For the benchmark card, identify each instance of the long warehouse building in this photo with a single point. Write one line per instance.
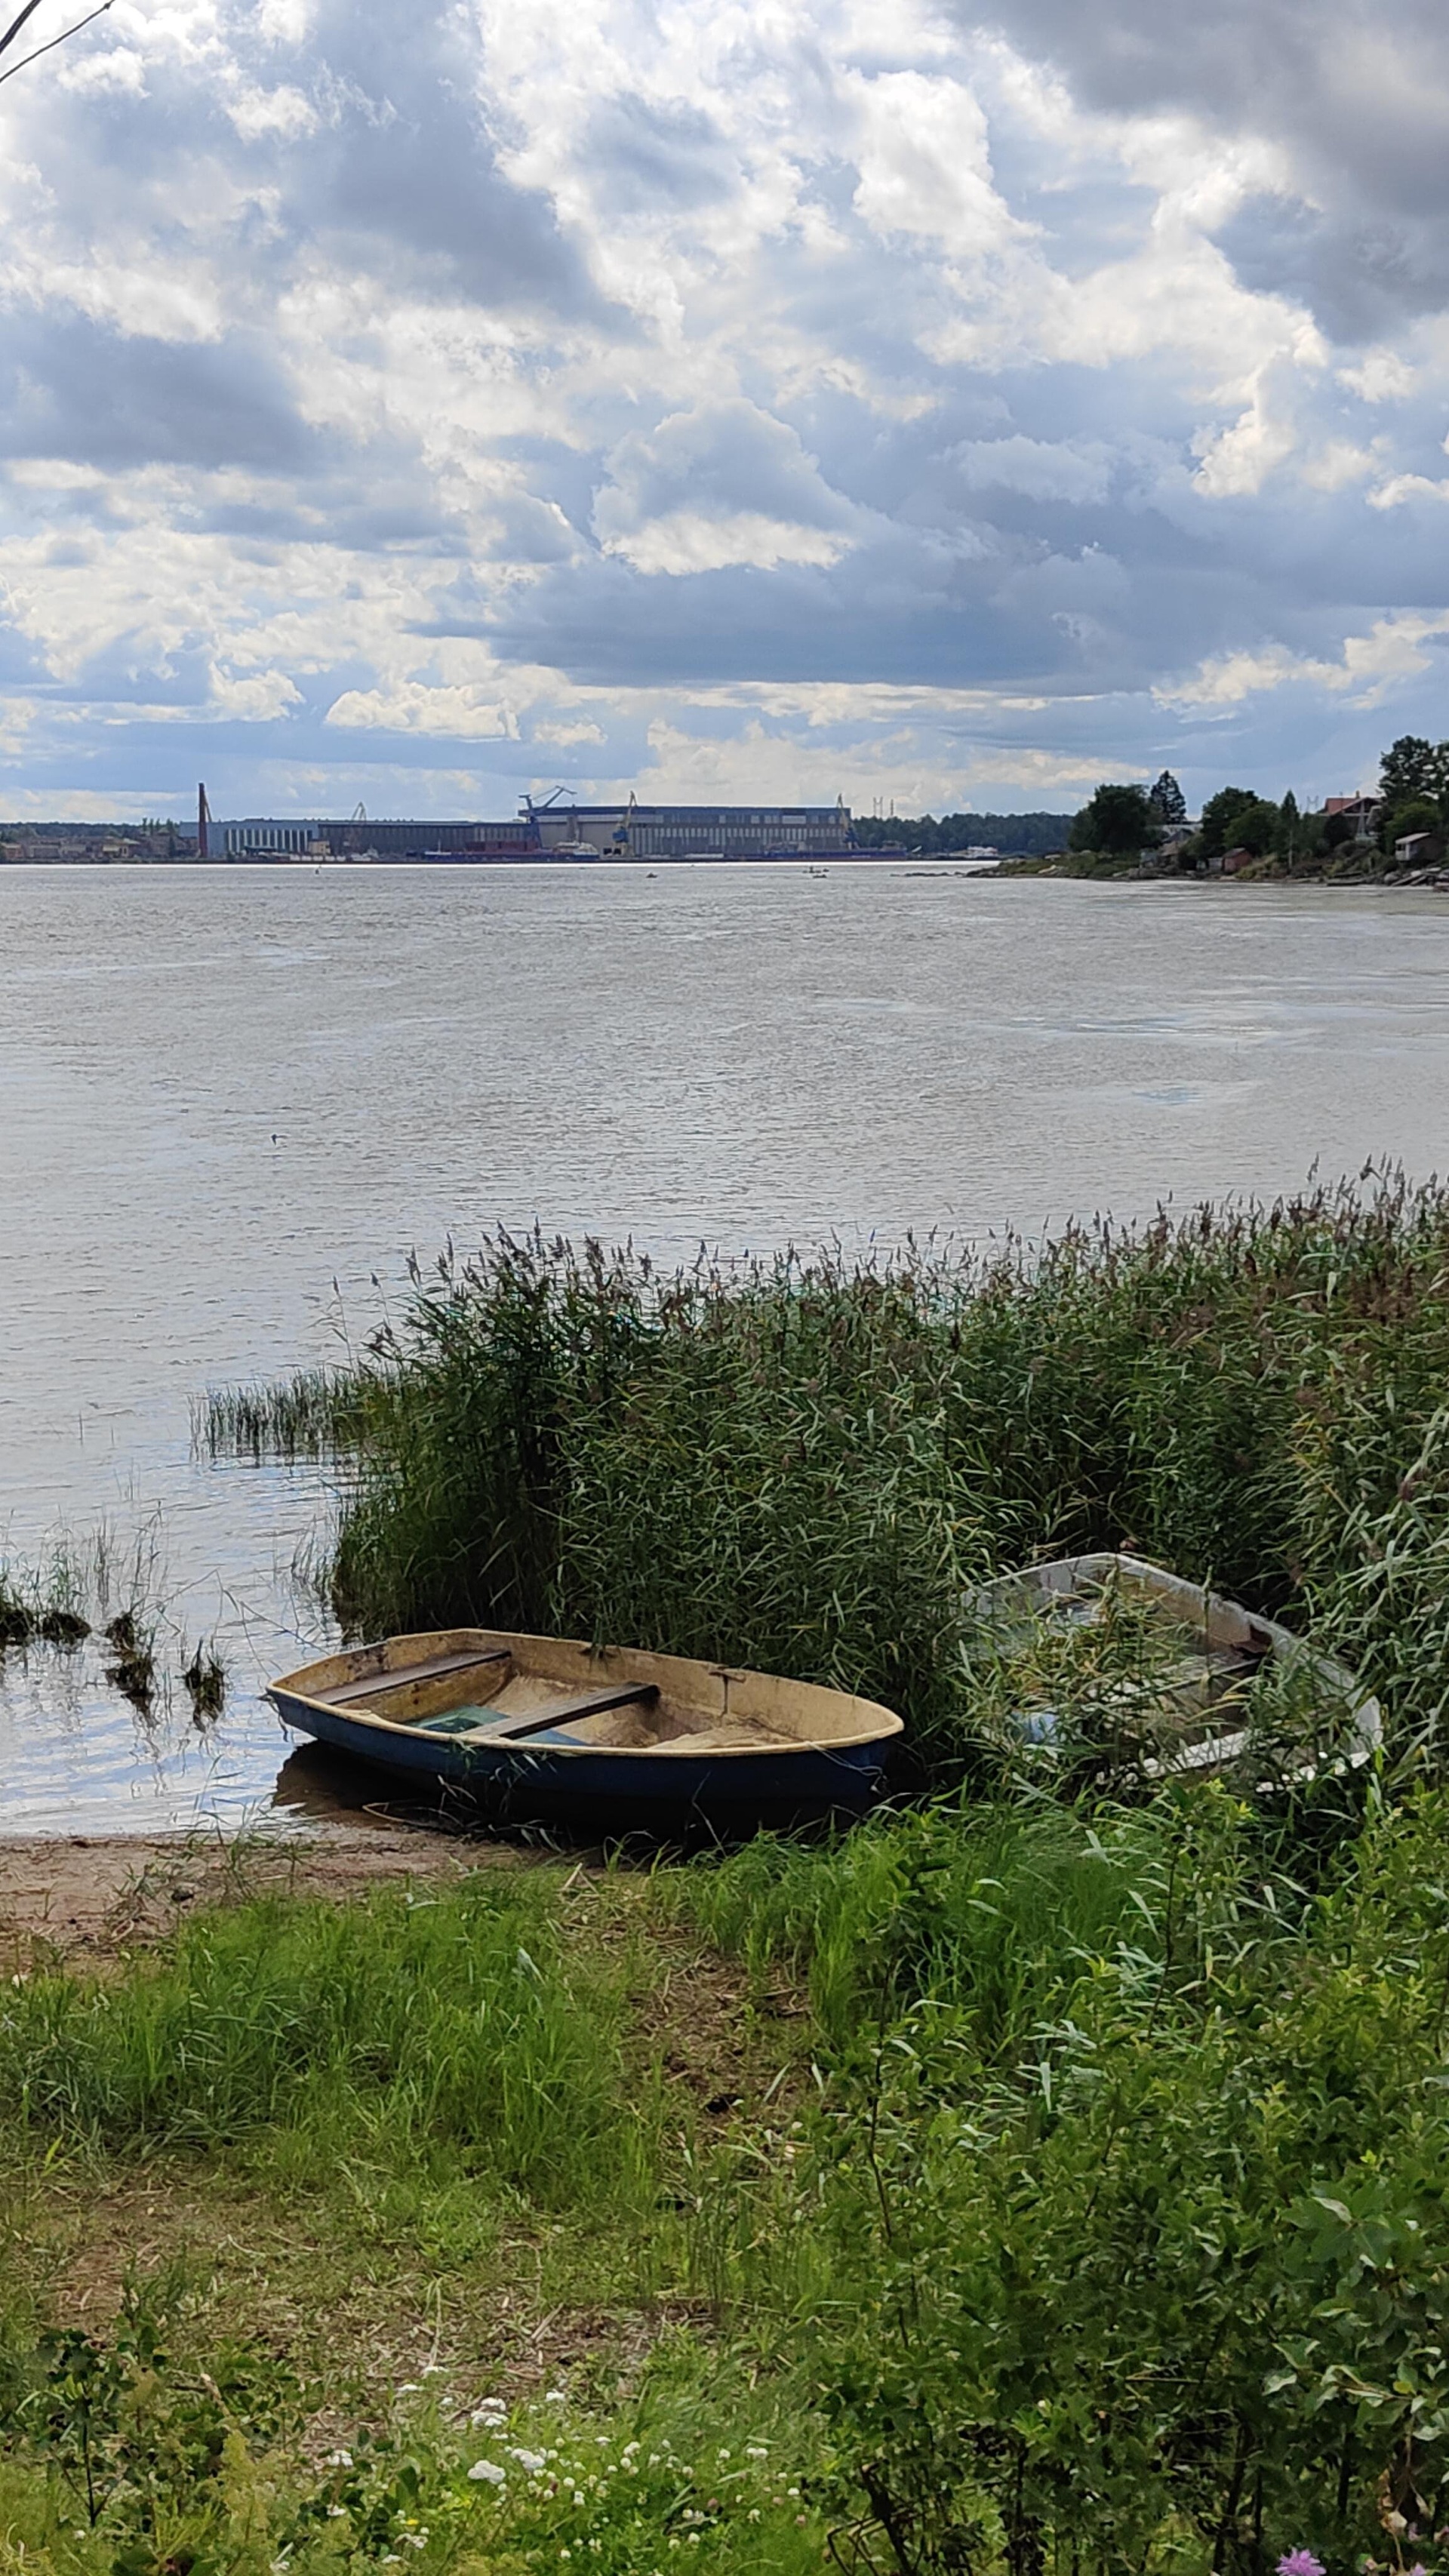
(551, 831)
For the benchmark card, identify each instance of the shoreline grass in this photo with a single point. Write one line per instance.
(1053, 2186)
(1085, 2204)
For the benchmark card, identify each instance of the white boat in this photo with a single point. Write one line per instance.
(1188, 1708)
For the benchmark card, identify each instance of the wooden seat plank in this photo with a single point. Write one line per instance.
(374, 1684)
(513, 1730)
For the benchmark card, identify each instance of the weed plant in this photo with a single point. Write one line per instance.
(1127, 2242)
(311, 1415)
(204, 1680)
(137, 2459)
(1100, 2223)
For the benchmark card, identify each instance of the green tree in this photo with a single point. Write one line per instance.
(1167, 800)
(1288, 840)
(1235, 819)
(1414, 768)
(1219, 819)
(1117, 821)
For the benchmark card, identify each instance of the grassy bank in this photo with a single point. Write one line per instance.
(999, 2189)
(1025, 2184)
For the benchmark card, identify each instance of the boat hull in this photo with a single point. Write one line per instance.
(1043, 1589)
(637, 1741)
(619, 1789)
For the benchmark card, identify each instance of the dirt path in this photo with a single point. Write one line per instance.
(103, 1893)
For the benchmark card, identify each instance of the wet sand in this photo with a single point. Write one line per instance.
(99, 1895)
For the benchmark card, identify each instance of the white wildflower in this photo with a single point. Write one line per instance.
(490, 2471)
(533, 2461)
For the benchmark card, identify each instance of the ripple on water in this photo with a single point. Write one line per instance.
(233, 1100)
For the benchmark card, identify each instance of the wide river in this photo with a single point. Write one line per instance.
(233, 1100)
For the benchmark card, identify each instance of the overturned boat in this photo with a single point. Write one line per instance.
(603, 1738)
(1117, 1666)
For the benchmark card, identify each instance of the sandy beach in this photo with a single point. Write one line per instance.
(99, 1895)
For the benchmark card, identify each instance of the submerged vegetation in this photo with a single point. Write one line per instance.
(96, 1587)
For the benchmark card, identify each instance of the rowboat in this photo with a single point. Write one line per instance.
(1190, 1705)
(548, 1727)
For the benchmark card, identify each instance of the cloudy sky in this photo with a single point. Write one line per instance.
(422, 403)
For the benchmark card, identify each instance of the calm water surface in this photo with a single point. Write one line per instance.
(231, 1102)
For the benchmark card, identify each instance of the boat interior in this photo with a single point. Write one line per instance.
(1196, 1654)
(478, 1688)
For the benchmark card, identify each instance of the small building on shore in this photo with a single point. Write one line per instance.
(1362, 814)
(1418, 850)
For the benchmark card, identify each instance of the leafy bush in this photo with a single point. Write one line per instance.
(1131, 2238)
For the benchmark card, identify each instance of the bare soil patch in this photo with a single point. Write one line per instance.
(98, 1895)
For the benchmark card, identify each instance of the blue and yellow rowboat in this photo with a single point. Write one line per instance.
(602, 1737)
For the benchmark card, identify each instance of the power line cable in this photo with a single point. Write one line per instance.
(12, 32)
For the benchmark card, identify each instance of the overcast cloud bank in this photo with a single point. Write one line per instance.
(778, 397)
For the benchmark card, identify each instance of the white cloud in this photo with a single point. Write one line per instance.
(1240, 459)
(120, 71)
(1367, 667)
(1381, 376)
(252, 697)
(284, 112)
(415, 706)
(890, 393)
(925, 164)
(724, 484)
(1041, 470)
(567, 736)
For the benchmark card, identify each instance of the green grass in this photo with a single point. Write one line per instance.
(1094, 2212)
(442, 2028)
(1064, 2181)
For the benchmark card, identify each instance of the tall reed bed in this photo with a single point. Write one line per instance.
(804, 1464)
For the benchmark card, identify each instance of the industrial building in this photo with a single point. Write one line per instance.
(259, 837)
(636, 831)
(551, 830)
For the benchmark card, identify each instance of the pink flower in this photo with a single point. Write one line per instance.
(1301, 2562)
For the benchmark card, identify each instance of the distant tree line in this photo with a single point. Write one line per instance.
(1018, 835)
(1125, 822)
